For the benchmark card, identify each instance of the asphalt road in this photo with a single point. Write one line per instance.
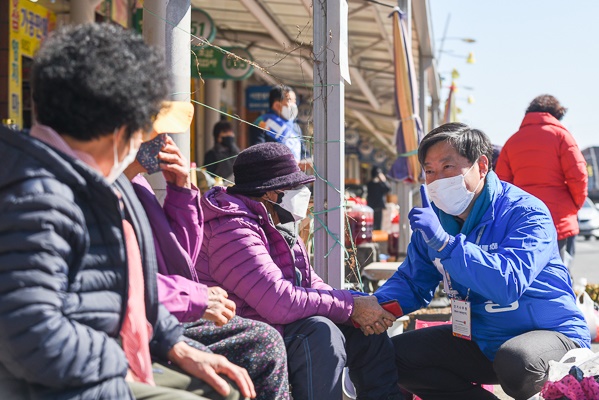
(586, 260)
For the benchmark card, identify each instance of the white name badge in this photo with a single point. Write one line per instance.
(460, 319)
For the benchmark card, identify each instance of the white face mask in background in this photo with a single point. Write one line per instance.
(451, 194)
(289, 112)
(118, 168)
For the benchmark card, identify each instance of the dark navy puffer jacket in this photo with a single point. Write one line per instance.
(63, 278)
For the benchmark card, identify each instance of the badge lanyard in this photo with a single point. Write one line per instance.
(461, 322)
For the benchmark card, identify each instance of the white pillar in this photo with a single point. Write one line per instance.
(166, 24)
(329, 133)
(405, 195)
(83, 11)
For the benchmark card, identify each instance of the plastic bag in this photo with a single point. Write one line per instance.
(584, 359)
(572, 377)
(587, 306)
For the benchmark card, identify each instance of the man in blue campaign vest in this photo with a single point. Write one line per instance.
(494, 247)
(278, 124)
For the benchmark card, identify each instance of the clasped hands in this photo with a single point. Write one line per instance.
(424, 220)
(372, 318)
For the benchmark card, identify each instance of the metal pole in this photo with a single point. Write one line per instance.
(424, 64)
(329, 132)
(167, 25)
(435, 106)
(443, 40)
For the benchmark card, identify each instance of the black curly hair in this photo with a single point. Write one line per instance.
(549, 104)
(90, 79)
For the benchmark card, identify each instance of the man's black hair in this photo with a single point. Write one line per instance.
(468, 142)
(278, 93)
(219, 127)
(91, 79)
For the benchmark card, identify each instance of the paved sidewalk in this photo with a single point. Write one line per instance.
(500, 394)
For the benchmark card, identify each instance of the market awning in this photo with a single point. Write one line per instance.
(409, 131)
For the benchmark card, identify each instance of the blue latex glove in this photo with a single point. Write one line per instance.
(424, 220)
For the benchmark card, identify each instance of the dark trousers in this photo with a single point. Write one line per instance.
(317, 351)
(377, 219)
(434, 364)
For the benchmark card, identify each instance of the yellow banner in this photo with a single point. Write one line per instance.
(29, 25)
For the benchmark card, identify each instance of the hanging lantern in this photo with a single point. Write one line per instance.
(471, 59)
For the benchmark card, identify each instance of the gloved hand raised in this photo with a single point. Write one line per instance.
(425, 220)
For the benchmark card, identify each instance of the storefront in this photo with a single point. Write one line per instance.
(29, 24)
(24, 27)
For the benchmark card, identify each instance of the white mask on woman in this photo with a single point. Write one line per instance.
(451, 194)
(118, 167)
(295, 202)
(289, 112)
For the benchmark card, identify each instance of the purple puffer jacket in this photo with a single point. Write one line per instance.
(177, 232)
(244, 253)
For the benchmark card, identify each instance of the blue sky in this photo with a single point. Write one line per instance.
(523, 48)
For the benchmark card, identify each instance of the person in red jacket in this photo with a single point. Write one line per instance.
(544, 159)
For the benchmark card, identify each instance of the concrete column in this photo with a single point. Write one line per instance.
(166, 24)
(329, 133)
(405, 199)
(83, 11)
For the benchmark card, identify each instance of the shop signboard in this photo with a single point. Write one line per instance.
(256, 98)
(202, 26)
(29, 25)
(209, 62)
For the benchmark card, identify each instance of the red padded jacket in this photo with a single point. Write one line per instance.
(544, 159)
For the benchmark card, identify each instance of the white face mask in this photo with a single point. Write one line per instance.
(289, 112)
(451, 194)
(296, 202)
(118, 168)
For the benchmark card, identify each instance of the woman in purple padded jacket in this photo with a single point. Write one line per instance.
(252, 250)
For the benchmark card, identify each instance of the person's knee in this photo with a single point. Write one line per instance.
(273, 342)
(402, 345)
(320, 336)
(321, 329)
(519, 377)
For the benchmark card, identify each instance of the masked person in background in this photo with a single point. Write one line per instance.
(252, 250)
(494, 247)
(278, 124)
(177, 228)
(220, 158)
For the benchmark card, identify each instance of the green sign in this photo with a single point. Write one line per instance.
(137, 20)
(211, 63)
(201, 26)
